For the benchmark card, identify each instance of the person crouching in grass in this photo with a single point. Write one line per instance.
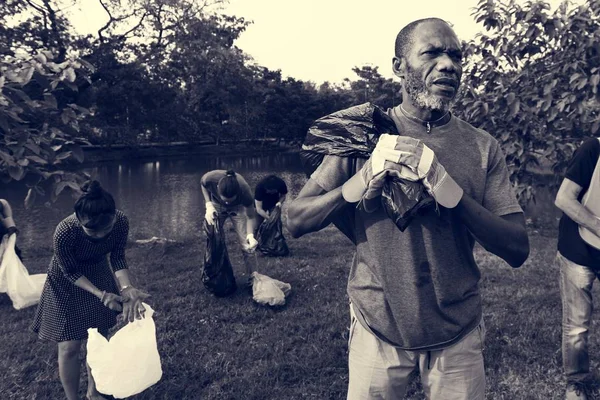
(228, 195)
(80, 291)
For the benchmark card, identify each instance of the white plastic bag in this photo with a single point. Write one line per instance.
(129, 363)
(23, 289)
(266, 290)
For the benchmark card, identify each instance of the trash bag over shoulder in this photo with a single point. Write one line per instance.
(353, 133)
(23, 289)
(271, 241)
(217, 273)
(129, 362)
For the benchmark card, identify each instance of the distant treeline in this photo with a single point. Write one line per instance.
(168, 71)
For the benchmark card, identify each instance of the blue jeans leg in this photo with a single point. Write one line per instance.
(576, 283)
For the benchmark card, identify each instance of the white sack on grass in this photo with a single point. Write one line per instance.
(129, 362)
(266, 290)
(23, 289)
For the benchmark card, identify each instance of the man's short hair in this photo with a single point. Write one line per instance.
(405, 38)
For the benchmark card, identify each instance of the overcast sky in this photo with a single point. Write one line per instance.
(322, 40)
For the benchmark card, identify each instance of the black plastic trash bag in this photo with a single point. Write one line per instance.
(271, 241)
(217, 273)
(354, 132)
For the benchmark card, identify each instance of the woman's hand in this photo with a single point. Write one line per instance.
(112, 301)
(133, 308)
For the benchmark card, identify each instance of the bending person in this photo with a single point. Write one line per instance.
(228, 196)
(270, 192)
(80, 291)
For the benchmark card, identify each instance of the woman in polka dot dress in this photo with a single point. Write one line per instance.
(80, 291)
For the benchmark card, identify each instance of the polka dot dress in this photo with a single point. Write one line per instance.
(65, 311)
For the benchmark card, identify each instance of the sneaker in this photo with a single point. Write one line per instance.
(576, 391)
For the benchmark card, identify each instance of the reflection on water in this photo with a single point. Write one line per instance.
(161, 198)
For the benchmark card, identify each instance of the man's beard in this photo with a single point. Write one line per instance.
(421, 96)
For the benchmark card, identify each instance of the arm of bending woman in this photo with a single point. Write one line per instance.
(133, 308)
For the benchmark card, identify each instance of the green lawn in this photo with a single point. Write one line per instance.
(232, 348)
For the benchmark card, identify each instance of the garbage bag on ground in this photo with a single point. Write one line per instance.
(23, 289)
(271, 241)
(269, 291)
(354, 132)
(129, 362)
(217, 273)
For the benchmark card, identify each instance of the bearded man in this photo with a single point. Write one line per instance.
(415, 300)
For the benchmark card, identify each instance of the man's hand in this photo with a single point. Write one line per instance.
(368, 182)
(423, 162)
(211, 213)
(251, 243)
(112, 301)
(133, 308)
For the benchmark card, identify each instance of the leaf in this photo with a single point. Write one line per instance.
(50, 100)
(64, 155)
(510, 98)
(7, 158)
(71, 86)
(30, 198)
(48, 54)
(16, 172)
(574, 77)
(60, 186)
(595, 126)
(33, 147)
(514, 108)
(56, 132)
(67, 116)
(37, 159)
(77, 152)
(86, 64)
(70, 74)
(14, 116)
(25, 75)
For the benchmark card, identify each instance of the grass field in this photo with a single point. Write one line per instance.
(232, 348)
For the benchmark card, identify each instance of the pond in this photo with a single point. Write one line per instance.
(162, 197)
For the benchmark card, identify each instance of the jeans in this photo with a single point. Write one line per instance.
(576, 283)
(379, 370)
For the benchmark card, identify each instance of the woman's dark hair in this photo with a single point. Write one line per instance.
(95, 209)
(229, 185)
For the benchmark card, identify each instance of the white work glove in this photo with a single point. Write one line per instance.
(368, 182)
(423, 163)
(211, 213)
(251, 243)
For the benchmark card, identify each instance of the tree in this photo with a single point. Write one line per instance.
(532, 81)
(33, 26)
(39, 122)
(373, 87)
